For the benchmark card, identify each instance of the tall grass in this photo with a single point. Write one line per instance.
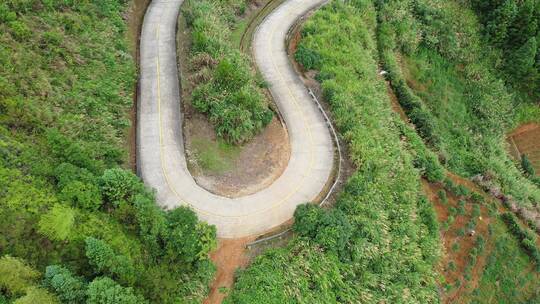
(380, 243)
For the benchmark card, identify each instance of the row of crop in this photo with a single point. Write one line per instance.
(526, 238)
(225, 87)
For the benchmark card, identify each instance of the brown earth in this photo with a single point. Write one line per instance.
(459, 257)
(229, 256)
(526, 140)
(134, 17)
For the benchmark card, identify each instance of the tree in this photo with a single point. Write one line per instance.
(188, 240)
(15, 275)
(104, 290)
(520, 62)
(119, 185)
(57, 223)
(151, 221)
(105, 260)
(82, 195)
(68, 288)
(37, 295)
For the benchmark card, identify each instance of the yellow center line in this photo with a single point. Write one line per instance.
(298, 108)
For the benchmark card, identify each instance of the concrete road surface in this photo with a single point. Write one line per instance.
(161, 159)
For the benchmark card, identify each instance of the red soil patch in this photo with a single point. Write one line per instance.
(229, 256)
(526, 140)
(460, 257)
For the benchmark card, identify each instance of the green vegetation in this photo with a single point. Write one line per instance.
(226, 88)
(513, 27)
(526, 238)
(445, 81)
(75, 227)
(369, 248)
(508, 276)
(216, 157)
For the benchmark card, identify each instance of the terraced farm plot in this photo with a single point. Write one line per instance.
(526, 140)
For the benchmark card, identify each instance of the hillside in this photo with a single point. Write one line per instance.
(190, 156)
(75, 226)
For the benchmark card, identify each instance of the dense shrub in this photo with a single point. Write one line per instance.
(308, 58)
(228, 90)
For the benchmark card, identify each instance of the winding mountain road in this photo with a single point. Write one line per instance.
(160, 156)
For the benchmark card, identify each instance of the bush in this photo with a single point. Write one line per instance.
(119, 185)
(66, 286)
(308, 58)
(527, 165)
(104, 290)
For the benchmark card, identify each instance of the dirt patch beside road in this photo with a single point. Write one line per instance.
(229, 256)
(134, 17)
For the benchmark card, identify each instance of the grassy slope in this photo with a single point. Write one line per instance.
(381, 242)
(469, 109)
(66, 87)
(508, 276)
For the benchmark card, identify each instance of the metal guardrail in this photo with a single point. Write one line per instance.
(338, 174)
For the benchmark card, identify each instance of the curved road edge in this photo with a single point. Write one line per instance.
(161, 159)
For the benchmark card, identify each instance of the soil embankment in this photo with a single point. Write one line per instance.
(134, 17)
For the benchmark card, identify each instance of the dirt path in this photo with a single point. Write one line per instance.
(134, 17)
(229, 256)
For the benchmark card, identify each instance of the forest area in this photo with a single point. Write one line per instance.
(422, 92)
(77, 226)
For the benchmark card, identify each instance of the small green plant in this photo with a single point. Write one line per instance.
(442, 196)
(450, 220)
(461, 191)
(527, 165)
(477, 198)
(461, 207)
(455, 247)
(452, 266)
(475, 211)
